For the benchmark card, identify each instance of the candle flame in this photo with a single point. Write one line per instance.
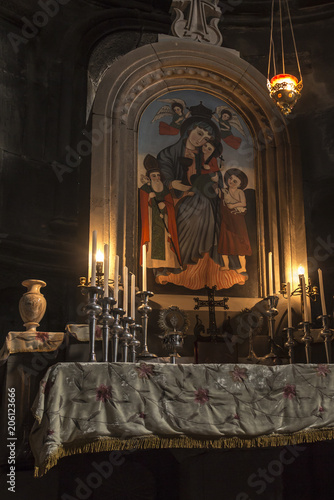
(301, 270)
(99, 256)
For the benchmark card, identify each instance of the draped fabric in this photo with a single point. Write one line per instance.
(233, 238)
(30, 342)
(86, 407)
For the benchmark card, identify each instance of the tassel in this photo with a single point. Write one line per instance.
(155, 442)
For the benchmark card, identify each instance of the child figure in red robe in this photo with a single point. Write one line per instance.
(233, 237)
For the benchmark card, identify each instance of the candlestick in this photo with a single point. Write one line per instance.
(322, 293)
(94, 247)
(144, 284)
(288, 293)
(107, 320)
(126, 337)
(307, 337)
(117, 330)
(134, 342)
(145, 309)
(270, 272)
(125, 290)
(304, 298)
(93, 309)
(272, 356)
(133, 296)
(290, 343)
(116, 279)
(327, 334)
(106, 270)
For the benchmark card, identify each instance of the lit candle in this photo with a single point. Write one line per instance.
(288, 293)
(116, 273)
(144, 284)
(125, 290)
(133, 296)
(99, 259)
(322, 293)
(94, 247)
(304, 298)
(270, 272)
(106, 270)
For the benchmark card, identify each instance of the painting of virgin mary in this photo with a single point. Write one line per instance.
(190, 169)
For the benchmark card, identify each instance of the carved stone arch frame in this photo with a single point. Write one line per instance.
(145, 74)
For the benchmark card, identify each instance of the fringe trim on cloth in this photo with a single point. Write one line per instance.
(154, 442)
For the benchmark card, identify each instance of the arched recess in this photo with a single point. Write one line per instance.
(143, 75)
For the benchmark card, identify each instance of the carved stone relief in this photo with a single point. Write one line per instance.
(197, 20)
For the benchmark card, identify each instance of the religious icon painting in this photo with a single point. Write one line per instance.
(196, 182)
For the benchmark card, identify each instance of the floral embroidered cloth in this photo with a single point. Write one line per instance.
(81, 332)
(44, 341)
(30, 342)
(85, 407)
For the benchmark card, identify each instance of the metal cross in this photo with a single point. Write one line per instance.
(211, 303)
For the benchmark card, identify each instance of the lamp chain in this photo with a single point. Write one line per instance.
(282, 39)
(294, 41)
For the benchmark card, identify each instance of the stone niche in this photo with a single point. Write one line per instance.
(148, 73)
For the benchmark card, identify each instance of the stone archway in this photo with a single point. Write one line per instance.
(144, 74)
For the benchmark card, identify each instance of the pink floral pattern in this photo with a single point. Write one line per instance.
(239, 374)
(98, 332)
(205, 402)
(289, 391)
(103, 393)
(42, 336)
(201, 396)
(145, 371)
(322, 370)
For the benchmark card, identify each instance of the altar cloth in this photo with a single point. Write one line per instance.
(90, 407)
(30, 342)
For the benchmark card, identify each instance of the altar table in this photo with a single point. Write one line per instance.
(90, 407)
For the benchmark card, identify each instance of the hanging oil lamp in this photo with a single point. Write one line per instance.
(284, 89)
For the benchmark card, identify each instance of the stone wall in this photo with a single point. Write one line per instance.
(44, 184)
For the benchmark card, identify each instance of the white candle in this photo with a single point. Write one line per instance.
(94, 247)
(133, 296)
(125, 290)
(304, 298)
(116, 273)
(309, 310)
(322, 293)
(106, 270)
(270, 272)
(288, 293)
(144, 284)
